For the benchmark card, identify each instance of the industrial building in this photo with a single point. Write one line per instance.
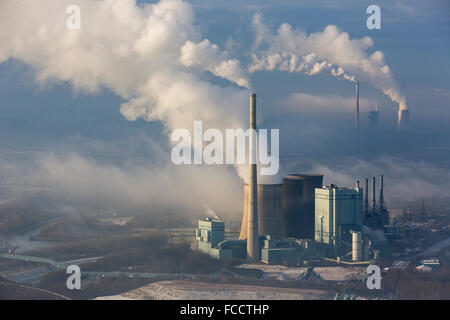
(270, 214)
(296, 220)
(378, 216)
(210, 236)
(210, 239)
(299, 204)
(338, 213)
(373, 116)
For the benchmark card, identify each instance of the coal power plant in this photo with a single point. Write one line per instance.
(299, 219)
(373, 117)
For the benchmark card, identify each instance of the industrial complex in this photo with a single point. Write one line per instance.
(300, 219)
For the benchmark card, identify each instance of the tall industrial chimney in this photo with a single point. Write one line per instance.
(403, 119)
(381, 200)
(252, 233)
(357, 106)
(366, 198)
(374, 202)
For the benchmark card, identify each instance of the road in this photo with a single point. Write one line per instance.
(33, 276)
(37, 290)
(22, 239)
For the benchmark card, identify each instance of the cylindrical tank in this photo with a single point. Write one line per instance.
(356, 246)
(270, 211)
(298, 204)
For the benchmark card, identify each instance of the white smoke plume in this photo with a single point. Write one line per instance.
(308, 64)
(211, 58)
(140, 52)
(210, 212)
(329, 50)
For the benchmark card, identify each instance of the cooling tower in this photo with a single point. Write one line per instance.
(403, 119)
(270, 211)
(298, 204)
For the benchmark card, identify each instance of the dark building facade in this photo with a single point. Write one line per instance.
(298, 204)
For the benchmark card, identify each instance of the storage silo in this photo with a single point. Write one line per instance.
(357, 244)
(298, 204)
(270, 211)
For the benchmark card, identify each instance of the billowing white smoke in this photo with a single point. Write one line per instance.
(308, 64)
(151, 55)
(211, 58)
(330, 50)
(140, 52)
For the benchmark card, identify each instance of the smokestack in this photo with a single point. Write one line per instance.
(366, 198)
(403, 119)
(357, 106)
(381, 200)
(357, 184)
(252, 233)
(374, 202)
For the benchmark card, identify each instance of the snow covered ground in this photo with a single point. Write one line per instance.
(337, 273)
(192, 290)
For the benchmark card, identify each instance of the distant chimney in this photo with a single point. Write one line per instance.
(357, 106)
(374, 202)
(366, 198)
(357, 184)
(381, 199)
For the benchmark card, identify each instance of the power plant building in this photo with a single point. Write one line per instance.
(338, 212)
(299, 204)
(210, 236)
(270, 212)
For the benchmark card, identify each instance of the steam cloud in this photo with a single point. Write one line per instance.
(330, 50)
(212, 59)
(81, 180)
(140, 52)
